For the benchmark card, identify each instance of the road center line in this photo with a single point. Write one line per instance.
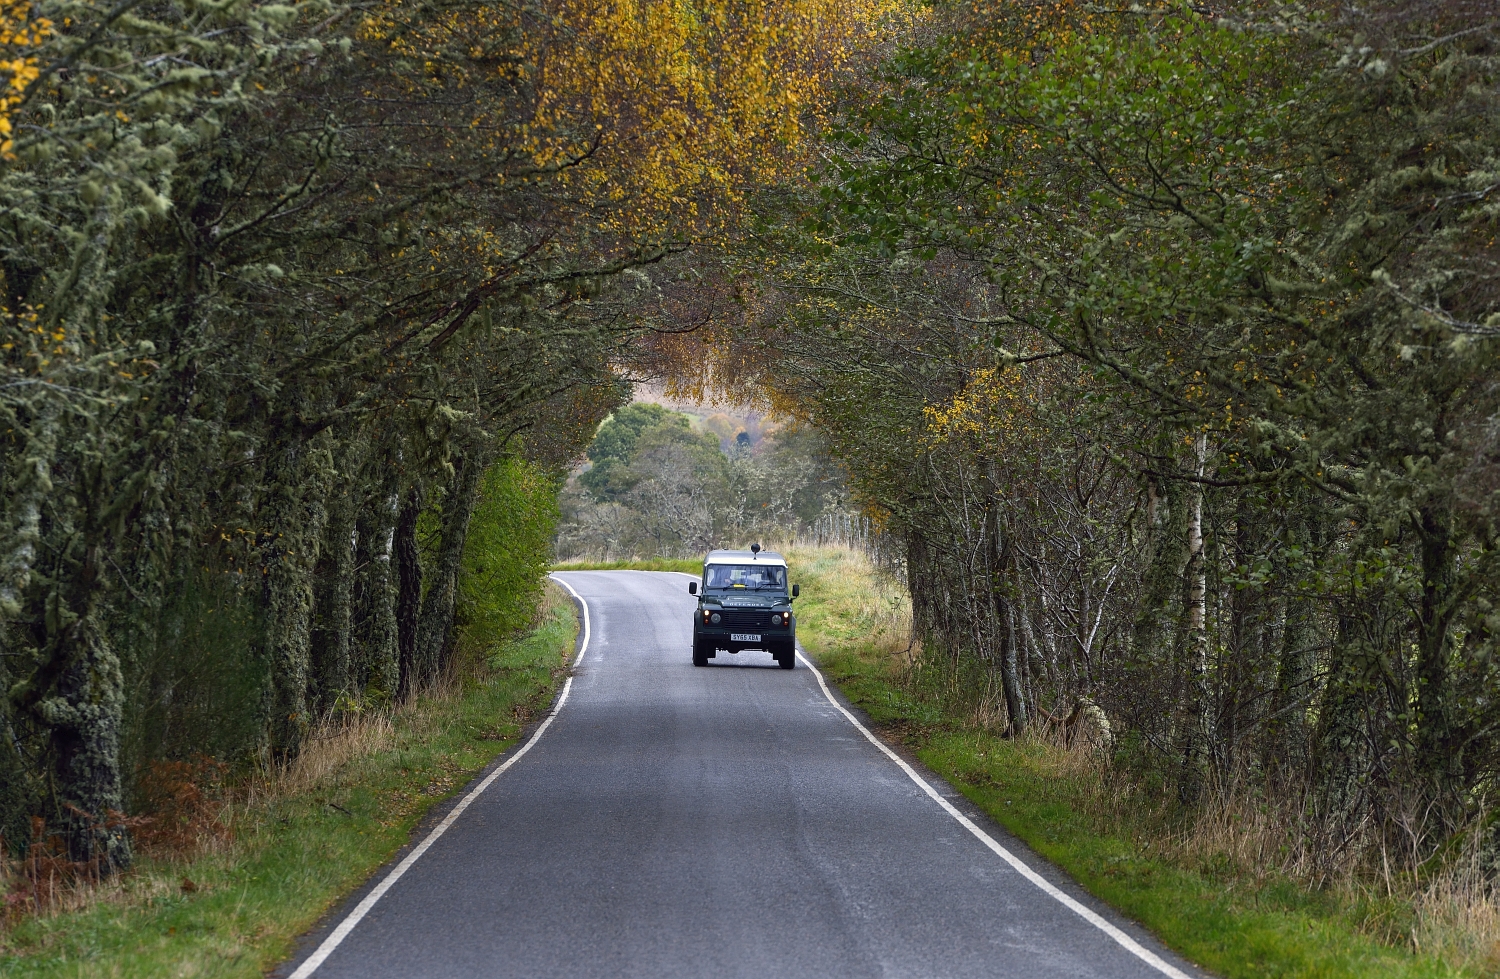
(311, 963)
(1125, 941)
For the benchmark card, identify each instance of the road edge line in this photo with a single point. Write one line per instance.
(333, 941)
(583, 645)
(1052, 890)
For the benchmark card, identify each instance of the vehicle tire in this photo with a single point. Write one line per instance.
(786, 657)
(700, 654)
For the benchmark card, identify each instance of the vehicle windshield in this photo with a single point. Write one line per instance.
(753, 577)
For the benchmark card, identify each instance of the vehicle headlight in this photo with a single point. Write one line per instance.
(714, 618)
(776, 620)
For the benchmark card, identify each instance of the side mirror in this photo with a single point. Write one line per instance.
(692, 588)
(796, 590)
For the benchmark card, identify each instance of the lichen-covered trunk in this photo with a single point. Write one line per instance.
(78, 695)
(1194, 729)
(435, 633)
(27, 486)
(75, 694)
(331, 652)
(84, 717)
(1341, 745)
(379, 647)
(408, 593)
(1286, 732)
(1167, 556)
(298, 514)
(1287, 742)
(1000, 557)
(1439, 740)
(1015, 694)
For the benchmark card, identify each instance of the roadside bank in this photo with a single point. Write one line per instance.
(1200, 888)
(273, 854)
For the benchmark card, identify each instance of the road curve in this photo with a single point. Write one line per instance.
(729, 821)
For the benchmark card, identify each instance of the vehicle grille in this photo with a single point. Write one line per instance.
(745, 618)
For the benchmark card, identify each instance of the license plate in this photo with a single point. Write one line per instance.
(744, 637)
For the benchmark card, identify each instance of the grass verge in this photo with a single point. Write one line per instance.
(304, 837)
(1228, 913)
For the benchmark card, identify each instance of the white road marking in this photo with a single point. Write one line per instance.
(311, 963)
(583, 646)
(1125, 941)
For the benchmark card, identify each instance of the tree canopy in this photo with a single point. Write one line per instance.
(1160, 339)
(280, 284)
(1164, 340)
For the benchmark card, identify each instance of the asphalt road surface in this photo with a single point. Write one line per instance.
(729, 821)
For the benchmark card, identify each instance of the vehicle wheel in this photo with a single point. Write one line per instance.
(700, 654)
(786, 656)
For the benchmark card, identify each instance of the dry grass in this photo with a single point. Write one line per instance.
(852, 603)
(329, 748)
(1450, 909)
(1458, 917)
(58, 895)
(854, 613)
(1254, 839)
(1455, 914)
(194, 818)
(195, 814)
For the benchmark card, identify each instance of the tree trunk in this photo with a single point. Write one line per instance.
(333, 639)
(1439, 754)
(1286, 731)
(28, 485)
(1341, 747)
(84, 717)
(78, 695)
(1005, 617)
(408, 593)
(1167, 557)
(380, 643)
(1015, 695)
(298, 516)
(438, 606)
(1194, 728)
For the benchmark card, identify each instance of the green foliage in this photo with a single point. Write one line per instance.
(659, 487)
(538, 649)
(244, 332)
(614, 446)
(508, 548)
(1164, 346)
(666, 448)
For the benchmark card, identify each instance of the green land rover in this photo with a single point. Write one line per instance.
(744, 604)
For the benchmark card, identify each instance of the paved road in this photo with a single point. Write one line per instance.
(728, 821)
